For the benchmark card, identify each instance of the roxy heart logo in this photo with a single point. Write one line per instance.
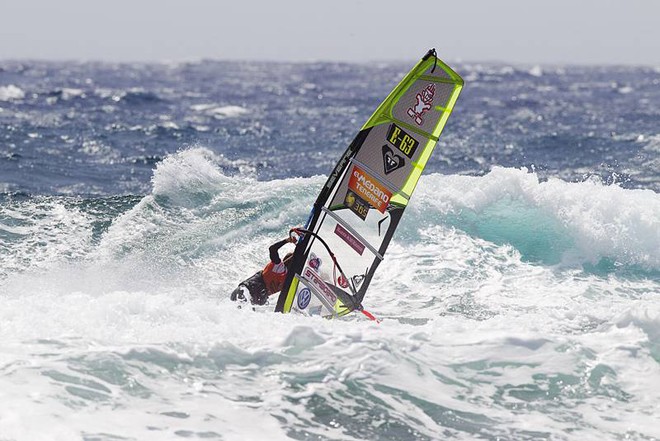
(391, 160)
(357, 280)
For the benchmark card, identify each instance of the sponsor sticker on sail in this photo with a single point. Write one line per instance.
(356, 204)
(351, 240)
(369, 189)
(318, 283)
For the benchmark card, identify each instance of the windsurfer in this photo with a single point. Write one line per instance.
(268, 281)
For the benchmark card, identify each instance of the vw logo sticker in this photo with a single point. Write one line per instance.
(304, 296)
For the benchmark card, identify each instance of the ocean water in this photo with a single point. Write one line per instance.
(519, 299)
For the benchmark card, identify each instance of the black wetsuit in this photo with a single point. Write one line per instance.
(255, 285)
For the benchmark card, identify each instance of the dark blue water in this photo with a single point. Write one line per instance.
(94, 128)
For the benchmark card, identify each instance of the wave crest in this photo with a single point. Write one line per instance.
(552, 221)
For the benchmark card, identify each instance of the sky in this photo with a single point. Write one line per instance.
(509, 31)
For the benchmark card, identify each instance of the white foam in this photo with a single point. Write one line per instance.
(50, 233)
(189, 174)
(11, 93)
(220, 111)
(536, 71)
(471, 335)
(602, 220)
(652, 143)
(70, 93)
(99, 152)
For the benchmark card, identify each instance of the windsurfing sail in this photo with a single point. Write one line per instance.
(361, 204)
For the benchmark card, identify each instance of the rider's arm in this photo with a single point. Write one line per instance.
(274, 256)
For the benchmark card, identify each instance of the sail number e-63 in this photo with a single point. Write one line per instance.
(401, 140)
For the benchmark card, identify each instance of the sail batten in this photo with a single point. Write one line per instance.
(359, 208)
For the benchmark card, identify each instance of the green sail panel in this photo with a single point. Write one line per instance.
(360, 206)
